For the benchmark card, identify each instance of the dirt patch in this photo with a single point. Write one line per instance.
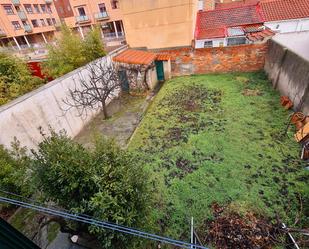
(229, 229)
(252, 92)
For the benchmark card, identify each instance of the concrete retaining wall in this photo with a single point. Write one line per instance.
(289, 73)
(44, 107)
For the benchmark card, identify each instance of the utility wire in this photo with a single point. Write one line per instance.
(102, 224)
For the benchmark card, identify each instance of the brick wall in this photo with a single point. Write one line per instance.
(244, 58)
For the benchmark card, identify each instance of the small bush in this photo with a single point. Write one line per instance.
(72, 52)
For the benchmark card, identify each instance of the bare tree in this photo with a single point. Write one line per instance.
(94, 91)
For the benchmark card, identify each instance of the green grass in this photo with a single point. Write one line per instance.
(203, 141)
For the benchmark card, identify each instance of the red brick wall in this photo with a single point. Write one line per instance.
(244, 58)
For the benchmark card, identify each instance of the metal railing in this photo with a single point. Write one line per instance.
(27, 28)
(22, 15)
(101, 15)
(16, 2)
(113, 36)
(82, 18)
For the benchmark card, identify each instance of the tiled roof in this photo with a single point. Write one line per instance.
(163, 57)
(211, 33)
(260, 35)
(274, 10)
(208, 21)
(131, 56)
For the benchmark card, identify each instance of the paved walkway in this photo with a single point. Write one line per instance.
(125, 114)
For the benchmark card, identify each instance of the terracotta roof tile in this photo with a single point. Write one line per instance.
(260, 35)
(211, 33)
(163, 57)
(275, 10)
(208, 21)
(132, 56)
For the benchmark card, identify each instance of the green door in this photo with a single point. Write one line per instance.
(160, 70)
(124, 80)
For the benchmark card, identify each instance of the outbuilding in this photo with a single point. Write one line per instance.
(141, 70)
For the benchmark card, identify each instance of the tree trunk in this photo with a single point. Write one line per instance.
(104, 110)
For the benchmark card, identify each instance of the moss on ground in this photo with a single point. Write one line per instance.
(203, 141)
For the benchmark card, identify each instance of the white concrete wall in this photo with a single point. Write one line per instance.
(215, 42)
(44, 107)
(152, 78)
(167, 69)
(287, 26)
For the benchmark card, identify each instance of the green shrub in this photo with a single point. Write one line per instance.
(104, 182)
(15, 175)
(72, 52)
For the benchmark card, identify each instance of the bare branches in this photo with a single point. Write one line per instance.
(92, 89)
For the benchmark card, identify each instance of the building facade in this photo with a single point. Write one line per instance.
(27, 23)
(82, 15)
(159, 24)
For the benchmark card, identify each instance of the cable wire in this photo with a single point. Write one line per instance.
(102, 224)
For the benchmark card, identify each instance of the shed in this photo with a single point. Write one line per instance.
(141, 70)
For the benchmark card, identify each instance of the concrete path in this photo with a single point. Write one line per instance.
(125, 114)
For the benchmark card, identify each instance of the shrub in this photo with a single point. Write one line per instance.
(13, 69)
(14, 170)
(104, 182)
(15, 78)
(72, 52)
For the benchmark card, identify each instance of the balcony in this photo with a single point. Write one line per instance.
(2, 34)
(22, 15)
(101, 16)
(49, 1)
(82, 19)
(15, 2)
(27, 28)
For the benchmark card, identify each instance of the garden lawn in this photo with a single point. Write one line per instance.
(219, 139)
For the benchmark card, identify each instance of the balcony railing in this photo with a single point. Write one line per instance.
(16, 2)
(2, 33)
(27, 28)
(101, 16)
(22, 15)
(113, 37)
(81, 19)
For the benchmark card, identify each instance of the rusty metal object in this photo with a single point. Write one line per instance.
(286, 102)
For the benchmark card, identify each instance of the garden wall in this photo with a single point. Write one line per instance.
(44, 107)
(243, 58)
(289, 73)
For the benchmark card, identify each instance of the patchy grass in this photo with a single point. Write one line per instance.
(204, 141)
(53, 230)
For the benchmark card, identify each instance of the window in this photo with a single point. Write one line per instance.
(114, 4)
(236, 41)
(81, 11)
(49, 10)
(42, 22)
(208, 44)
(54, 21)
(35, 23)
(43, 8)
(36, 8)
(102, 8)
(28, 8)
(8, 9)
(16, 25)
(49, 22)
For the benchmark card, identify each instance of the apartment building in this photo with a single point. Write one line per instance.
(82, 15)
(27, 23)
(159, 24)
